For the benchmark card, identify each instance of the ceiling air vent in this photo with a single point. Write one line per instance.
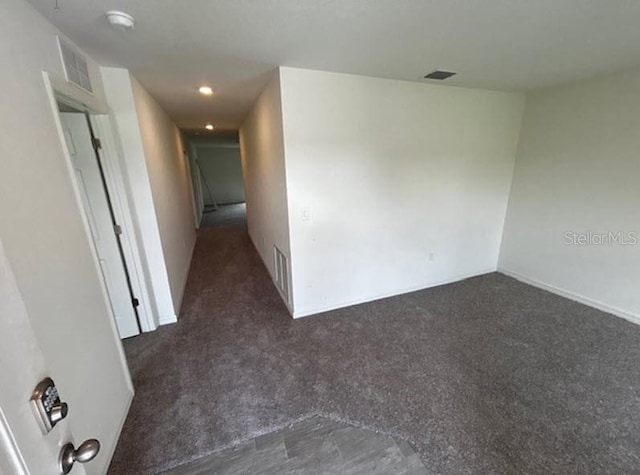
(439, 75)
(75, 66)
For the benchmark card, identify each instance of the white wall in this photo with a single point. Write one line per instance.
(159, 187)
(117, 83)
(263, 168)
(168, 169)
(577, 170)
(45, 238)
(392, 186)
(222, 171)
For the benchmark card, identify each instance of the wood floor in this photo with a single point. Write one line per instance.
(313, 446)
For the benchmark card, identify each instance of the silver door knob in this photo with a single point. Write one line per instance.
(83, 454)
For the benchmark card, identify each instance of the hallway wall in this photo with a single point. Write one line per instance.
(168, 169)
(124, 116)
(263, 169)
(392, 186)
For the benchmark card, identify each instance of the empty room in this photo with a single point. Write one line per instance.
(319, 237)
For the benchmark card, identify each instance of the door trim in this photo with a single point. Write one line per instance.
(118, 195)
(116, 185)
(54, 90)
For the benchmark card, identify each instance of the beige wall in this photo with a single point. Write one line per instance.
(577, 171)
(392, 186)
(168, 172)
(263, 167)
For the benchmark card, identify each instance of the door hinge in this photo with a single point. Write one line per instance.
(97, 145)
(117, 229)
(136, 302)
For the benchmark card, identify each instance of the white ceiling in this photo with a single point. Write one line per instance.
(234, 45)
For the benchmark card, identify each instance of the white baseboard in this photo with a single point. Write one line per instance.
(168, 319)
(328, 308)
(618, 312)
(173, 318)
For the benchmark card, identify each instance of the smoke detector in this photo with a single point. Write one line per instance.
(120, 20)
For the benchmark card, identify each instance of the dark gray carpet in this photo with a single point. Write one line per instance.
(487, 375)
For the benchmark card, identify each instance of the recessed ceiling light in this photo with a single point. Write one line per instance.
(120, 20)
(208, 127)
(206, 91)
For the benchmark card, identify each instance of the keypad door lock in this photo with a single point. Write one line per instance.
(47, 406)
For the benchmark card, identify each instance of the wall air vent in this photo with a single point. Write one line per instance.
(439, 75)
(75, 66)
(282, 272)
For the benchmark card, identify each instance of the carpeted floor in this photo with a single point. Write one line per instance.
(225, 215)
(487, 375)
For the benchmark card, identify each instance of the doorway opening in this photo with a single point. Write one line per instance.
(217, 177)
(87, 161)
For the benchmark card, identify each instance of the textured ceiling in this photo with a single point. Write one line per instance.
(234, 45)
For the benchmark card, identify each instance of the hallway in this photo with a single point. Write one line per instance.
(232, 214)
(484, 375)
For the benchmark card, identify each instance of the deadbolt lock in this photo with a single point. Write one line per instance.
(47, 406)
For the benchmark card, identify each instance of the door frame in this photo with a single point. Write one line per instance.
(98, 111)
(61, 91)
(196, 182)
(114, 177)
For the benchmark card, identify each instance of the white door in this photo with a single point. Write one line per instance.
(23, 447)
(96, 206)
(95, 386)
